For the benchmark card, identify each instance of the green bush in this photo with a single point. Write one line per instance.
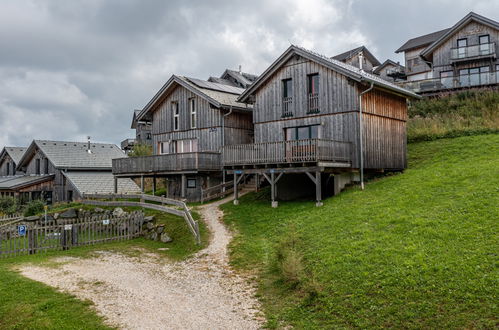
(8, 205)
(141, 150)
(453, 115)
(34, 207)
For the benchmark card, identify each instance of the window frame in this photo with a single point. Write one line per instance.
(193, 112)
(8, 168)
(45, 166)
(285, 90)
(189, 183)
(176, 115)
(484, 35)
(311, 88)
(37, 166)
(295, 134)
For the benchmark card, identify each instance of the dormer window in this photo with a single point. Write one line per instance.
(176, 116)
(287, 97)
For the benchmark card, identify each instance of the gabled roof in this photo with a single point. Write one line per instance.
(245, 79)
(218, 95)
(385, 63)
(74, 155)
(17, 182)
(352, 52)
(421, 41)
(99, 183)
(134, 119)
(343, 68)
(465, 20)
(14, 152)
(222, 81)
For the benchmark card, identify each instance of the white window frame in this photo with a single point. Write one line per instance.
(164, 148)
(176, 116)
(192, 110)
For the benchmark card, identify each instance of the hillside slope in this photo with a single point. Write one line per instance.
(413, 250)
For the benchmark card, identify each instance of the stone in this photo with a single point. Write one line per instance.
(149, 225)
(56, 216)
(165, 238)
(99, 210)
(118, 212)
(154, 236)
(149, 218)
(160, 229)
(32, 218)
(69, 213)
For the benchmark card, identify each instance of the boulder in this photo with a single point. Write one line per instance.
(69, 213)
(149, 218)
(56, 216)
(149, 225)
(154, 236)
(160, 229)
(99, 210)
(118, 212)
(32, 218)
(165, 238)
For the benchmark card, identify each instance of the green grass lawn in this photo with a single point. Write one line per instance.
(414, 250)
(26, 304)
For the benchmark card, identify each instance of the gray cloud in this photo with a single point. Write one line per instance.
(69, 69)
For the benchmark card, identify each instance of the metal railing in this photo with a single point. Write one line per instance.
(474, 51)
(167, 163)
(446, 83)
(313, 103)
(287, 106)
(296, 151)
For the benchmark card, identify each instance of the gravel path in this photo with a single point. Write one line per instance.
(148, 293)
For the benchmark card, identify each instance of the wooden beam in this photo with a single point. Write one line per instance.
(318, 188)
(236, 194)
(184, 186)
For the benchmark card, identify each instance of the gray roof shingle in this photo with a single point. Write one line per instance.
(350, 53)
(421, 41)
(16, 153)
(100, 183)
(23, 181)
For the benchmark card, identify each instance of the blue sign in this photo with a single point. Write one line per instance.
(238, 172)
(272, 171)
(21, 230)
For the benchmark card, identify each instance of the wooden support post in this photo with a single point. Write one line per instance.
(257, 181)
(142, 184)
(318, 189)
(236, 194)
(154, 185)
(115, 190)
(32, 240)
(273, 190)
(184, 186)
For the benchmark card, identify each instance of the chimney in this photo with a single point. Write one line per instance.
(361, 60)
(88, 145)
(240, 69)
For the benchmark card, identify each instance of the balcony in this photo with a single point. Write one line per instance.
(288, 152)
(169, 163)
(475, 52)
(396, 73)
(287, 107)
(127, 144)
(449, 83)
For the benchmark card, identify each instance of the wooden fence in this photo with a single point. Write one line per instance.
(42, 236)
(157, 203)
(9, 217)
(220, 190)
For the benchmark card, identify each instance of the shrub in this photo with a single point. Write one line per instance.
(34, 207)
(141, 150)
(8, 205)
(290, 258)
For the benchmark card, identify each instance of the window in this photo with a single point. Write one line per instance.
(13, 168)
(148, 136)
(485, 47)
(46, 166)
(313, 93)
(176, 116)
(446, 78)
(461, 47)
(474, 76)
(163, 148)
(70, 196)
(287, 97)
(8, 168)
(37, 166)
(191, 183)
(183, 146)
(192, 110)
(302, 133)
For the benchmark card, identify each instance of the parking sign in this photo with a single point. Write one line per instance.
(21, 230)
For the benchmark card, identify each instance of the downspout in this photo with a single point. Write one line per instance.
(223, 141)
(361, 137)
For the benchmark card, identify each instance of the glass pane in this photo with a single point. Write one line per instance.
(314, 132)
(288, 89)
(462, 43)
(484, 39)
(303, 133)
(290, 134)
(194, 145)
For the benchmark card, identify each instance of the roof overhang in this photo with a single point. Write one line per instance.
(30, 151)
(35, 180)
(471, 17)
(385, 63)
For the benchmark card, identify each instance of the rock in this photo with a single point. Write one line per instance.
(32, 218)
(149, 218)
(149, 225)
(56, 216)
(118, 212)
(160, 229)
(154, 236)
(99, 210)
(165, 238)
(69, 213)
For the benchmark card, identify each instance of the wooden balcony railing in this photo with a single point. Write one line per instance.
(189, 161)
(313, 103)
(297, 151)
(472, 52)
(287, 106)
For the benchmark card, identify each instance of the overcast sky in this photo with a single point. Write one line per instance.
(69, 69)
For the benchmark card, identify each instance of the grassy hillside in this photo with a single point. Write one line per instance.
(461, 114)
(414, 250)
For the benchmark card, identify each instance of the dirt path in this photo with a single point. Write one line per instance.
(146, 293)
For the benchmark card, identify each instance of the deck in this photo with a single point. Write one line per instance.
(169, 163)
(319, 152)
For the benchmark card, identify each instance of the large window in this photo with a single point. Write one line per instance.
(461, 47)
(287, 97)
(163, 148)
(313, 93)
(302, 133)
(484, 42)
(183, 146)
(46, 166)
(176, 116)
(474, 76)
(446, 79)
(37, 166)
(192, 110)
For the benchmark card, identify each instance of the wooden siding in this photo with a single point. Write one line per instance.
(336, 92)
(3, 165)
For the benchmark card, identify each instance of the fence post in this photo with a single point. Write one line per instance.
(31, 241)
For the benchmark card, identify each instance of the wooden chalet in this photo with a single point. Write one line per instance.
(359, 57)
(390, 71)
(57, 171)
(9, 158)
(461, 57)
(319, 124)
(235, 78)
(143, 136)
(191, 120)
